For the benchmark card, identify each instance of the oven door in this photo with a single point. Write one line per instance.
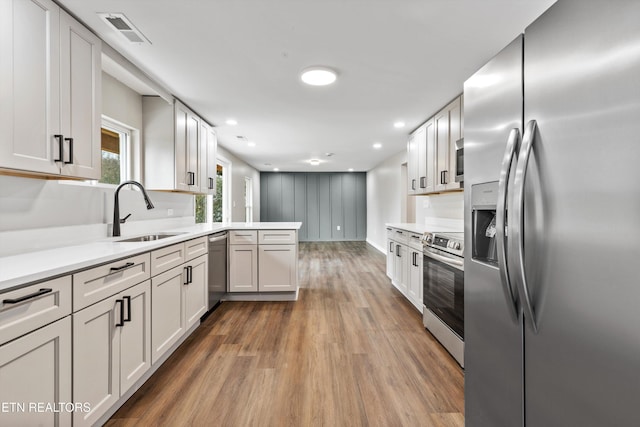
(443, 295)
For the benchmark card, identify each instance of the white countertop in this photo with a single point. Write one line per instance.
(19, 270)
(426, 228)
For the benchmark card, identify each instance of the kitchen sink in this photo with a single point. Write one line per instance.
(148, 237)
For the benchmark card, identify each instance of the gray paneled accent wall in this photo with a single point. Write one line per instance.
(321, 201)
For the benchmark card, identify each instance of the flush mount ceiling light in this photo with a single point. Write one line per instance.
(251, 144)
(276, 169)
(318, 76)
(314, 162)
(350, 169)
(231, 122)
(398, 125)
(377, 146)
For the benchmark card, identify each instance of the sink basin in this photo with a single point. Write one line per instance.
(149, 237)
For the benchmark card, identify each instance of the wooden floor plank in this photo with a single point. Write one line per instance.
(351, 351)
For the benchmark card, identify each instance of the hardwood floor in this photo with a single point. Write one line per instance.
(351, 351)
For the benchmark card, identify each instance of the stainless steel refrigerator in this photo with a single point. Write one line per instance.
(552, 223)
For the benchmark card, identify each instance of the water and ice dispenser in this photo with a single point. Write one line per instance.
(484, 198)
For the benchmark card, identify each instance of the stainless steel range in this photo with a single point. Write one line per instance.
(443, 296)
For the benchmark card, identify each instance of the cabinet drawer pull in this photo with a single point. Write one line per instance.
(398, 251)
(26, 297)
(121, 302)
(122, 267)
(413, 184)
(423, 182)
(191, 178)
(70, 141)
(128, 318)
(189, 271)
(60, 148)
(210, 183)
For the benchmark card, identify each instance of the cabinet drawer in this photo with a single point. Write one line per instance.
(44, 303)
(166, 258)
(196, 247)
(400, 236)
(276, 237)
(91, 286)
(245, 237)
(390, 232)
(415, 241)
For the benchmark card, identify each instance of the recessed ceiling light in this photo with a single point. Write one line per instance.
(276, 169)
(377, 146)
(314, 162)
(231, 122)
(350, 169)
(251, 144)
(318, 76)
(398, 125)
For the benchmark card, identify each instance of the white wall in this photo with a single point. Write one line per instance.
(240, 169)
(384, 198)
(121, 103)
(386, 189)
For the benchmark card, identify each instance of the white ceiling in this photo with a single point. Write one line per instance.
(396, 59)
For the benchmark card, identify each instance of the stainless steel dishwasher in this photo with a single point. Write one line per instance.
(217, 268)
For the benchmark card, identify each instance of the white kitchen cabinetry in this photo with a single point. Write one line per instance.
(111, 350)
(412, 164)
(404, 264)
(277, 268)
(243, 268)
(448, 125)
(208, 162)
(37, 368)
(176, 147)
(50, 80)
(179, 299)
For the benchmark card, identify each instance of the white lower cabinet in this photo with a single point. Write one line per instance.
(166, 310)
(277, 268)
(195, 290)
(414, 282)
(179, 299)
(400, 267)
(111, 350)
(390, 254)
(243, 268)
(36, 370)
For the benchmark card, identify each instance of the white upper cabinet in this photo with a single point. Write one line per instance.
(448, 130)
(412, 164)
(50, 91)
(208, 161)
(176, 143)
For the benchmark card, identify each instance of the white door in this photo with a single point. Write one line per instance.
(193, 149)
(135, 336)
(96, 358)
(181, 158)
(80, 98)
(37, 368)
(30, 85)
(442, 149)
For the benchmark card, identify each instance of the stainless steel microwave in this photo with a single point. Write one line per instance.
(460, 160)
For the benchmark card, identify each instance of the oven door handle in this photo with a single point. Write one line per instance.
(444, 259)
(513, 143)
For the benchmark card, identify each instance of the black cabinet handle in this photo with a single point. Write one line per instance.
(446, 176)
(390, 247)
(26, 297)
(398, 251)
(191, 178)
(70, 140)
(121, 302)
(413, 184)
(60, 148)
(189, 271)
(122, 267)
(210, 183)
(423, 182)
(128, 318)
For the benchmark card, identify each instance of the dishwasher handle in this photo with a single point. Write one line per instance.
(217, 238)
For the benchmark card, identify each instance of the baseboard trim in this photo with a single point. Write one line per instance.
(384, 251)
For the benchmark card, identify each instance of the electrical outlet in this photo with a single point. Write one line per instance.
(169, 212)
(338, 228)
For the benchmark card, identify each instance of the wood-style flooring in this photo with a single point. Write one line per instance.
(351, 351)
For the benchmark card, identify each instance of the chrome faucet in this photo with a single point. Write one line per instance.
(116, 206)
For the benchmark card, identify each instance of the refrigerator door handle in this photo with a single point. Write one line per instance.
(515, 236)
(513, 144)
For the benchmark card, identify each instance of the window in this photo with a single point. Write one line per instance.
(115, 152)
(216, 208)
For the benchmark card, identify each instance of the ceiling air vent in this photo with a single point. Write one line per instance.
(121, 24)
